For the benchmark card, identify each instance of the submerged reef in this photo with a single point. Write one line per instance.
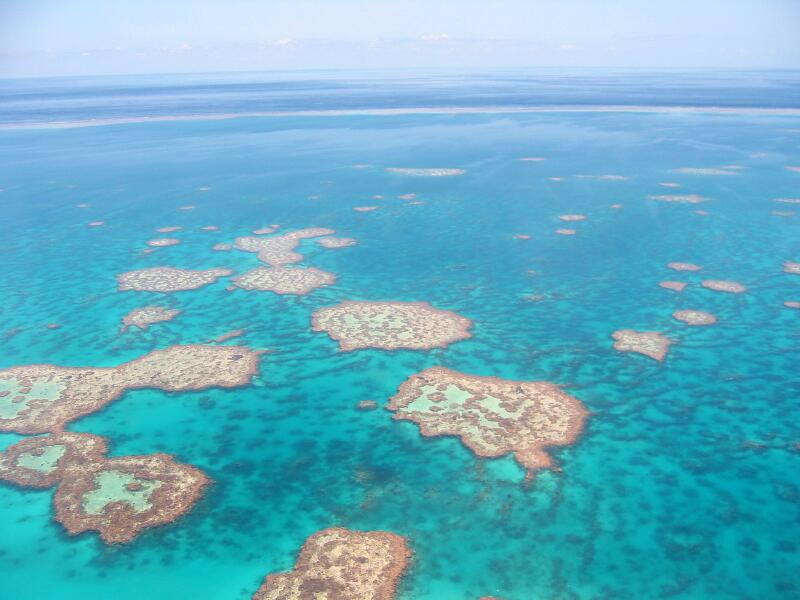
(391, 325)
(40, 462)
(168, 229)
(278, 250)
(566, 231)
(163, 242)
(682, 199)
(343, 564)
(426, 172)
(791, 267)
(572, 217)
(492, 416)
(336, 242)
(676, 286)
(649, 343)
(119, 497)
(148, 315)
(731, 170)
(695, 317)
(285, 280)
(169, 279)
(364, 208)
(42, 398)
(682, 266)
(718, 285)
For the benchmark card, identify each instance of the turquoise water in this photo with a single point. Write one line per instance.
(685, 482)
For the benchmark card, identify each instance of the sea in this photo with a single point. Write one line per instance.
(685, 482)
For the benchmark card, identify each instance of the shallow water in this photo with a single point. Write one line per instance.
(683, 485)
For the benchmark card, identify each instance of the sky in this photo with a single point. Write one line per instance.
(87, 37)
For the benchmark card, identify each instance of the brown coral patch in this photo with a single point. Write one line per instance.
(649, 343)
(695, 317)
(719, 285)
(391, 325)
(156, 490)
(343, 564)
(42, 398)
(492, 416)
(169, 279)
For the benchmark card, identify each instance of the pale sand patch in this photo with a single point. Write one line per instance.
(648, 343)
(695, 317)
(492, 416)
(342, 564)
(718, 285)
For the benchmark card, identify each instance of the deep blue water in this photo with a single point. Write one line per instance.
(122, 97)
(685, 482)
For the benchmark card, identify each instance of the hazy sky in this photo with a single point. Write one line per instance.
(65, 37)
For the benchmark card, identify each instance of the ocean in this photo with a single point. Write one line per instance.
(684, 483)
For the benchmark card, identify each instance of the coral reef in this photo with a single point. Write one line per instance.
(695, 317)
(285, 280)
(791, 267)
(148, 315)
(649, 343)
(278, 251)
(683, 199)
(169, 279)
(342, 564)
(682, 266)
(120, 497)
(426, 172)
(42, 398)
(492, 416)
(572, 217)
(391, 325)
(336, 242)
(163, 242)
(719, 285)
(676, 286)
